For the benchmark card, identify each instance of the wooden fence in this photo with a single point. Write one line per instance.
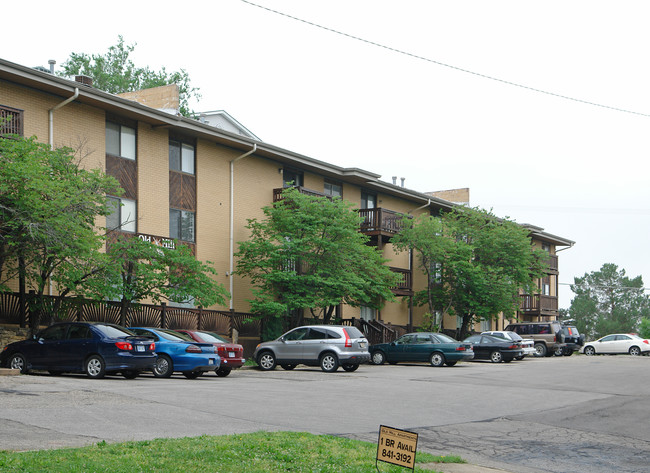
(139, 315)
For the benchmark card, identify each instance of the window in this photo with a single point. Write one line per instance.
(181, 225)
(181, 156)
(291, 178)
(333, 189)
(123, 215)
(120, 140)
(368, 201)
(368, 313)
(297, 334)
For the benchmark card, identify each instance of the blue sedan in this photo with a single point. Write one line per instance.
(81, 347)
(175, 353)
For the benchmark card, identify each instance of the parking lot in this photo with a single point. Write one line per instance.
(559, 414)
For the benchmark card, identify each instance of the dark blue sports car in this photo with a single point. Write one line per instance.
(82, 347)
(178, 352)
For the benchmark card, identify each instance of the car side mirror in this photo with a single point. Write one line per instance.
(392, 344)
(282, 339)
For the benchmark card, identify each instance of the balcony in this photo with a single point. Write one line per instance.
(380, 222)
(11, 121)
(552, 264)
(277, 193)
(405, 286)
(538, 305)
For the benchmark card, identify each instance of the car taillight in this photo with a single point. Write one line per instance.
(193, 349)
(461, 348)
(124, 346)
(222, 351)
(512, 347)
(348, 342)
(152, 347)
(646, 342)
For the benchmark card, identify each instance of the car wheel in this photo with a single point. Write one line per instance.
(288, 367)
(192, 374)
(266, 361)
(350, 368)
(18, 362)
(437, 359)
(540, 350)
(635, 351)
(378, 358)
(164, 367)
(223, 372)
(95, 367)
(559, 351)
(450, 363)
(589, 350)
(496, 357)
(329, 362)
(568, 352)
(130, 374)
(520, 357)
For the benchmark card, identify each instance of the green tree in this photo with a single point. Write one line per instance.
(608, 301)
(115, 73)
(308, 254)
(476, 264)
(139, 270)
(48, 207)
(644, 328)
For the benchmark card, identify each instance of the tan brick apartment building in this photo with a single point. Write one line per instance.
(194, 182)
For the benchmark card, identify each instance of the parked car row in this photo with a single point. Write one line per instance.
(97, 349)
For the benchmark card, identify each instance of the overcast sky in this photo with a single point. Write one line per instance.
(445, 94)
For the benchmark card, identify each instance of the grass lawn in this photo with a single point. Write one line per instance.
(260, 452)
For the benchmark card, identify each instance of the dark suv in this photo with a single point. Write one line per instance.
(573, 341)
(548, 336)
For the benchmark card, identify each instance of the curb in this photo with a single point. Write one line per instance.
(9, 372)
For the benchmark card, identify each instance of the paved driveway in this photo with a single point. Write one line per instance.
(566, 414)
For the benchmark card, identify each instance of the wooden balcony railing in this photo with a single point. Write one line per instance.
(380, 220)
(405, 286)
(11, 121)
(538, 304)
(277, 193)
(552, 263)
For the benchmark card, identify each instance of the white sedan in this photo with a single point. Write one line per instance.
(617, 343)
(528, 344)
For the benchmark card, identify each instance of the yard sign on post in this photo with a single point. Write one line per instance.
(397, 447)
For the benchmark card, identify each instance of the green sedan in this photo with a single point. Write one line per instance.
(436, 348)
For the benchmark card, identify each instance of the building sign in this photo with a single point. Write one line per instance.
(158, 241)
(397, 447)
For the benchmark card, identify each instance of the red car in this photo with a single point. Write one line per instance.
(231, 354)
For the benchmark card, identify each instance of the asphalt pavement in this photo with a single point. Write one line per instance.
(562, 414)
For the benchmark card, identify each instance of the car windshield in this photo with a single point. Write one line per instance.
(211, 337)
(113, 331)
(445, 338)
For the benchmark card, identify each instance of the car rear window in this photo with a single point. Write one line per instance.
(212, 337)
(353, 332)
(113, 331)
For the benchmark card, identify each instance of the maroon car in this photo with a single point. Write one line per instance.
(231, 354)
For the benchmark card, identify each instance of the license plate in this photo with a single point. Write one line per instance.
(231, 354)
(362, 344)
(139, 348)
(211, 361)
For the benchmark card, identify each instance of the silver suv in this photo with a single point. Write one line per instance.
(327, 346)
